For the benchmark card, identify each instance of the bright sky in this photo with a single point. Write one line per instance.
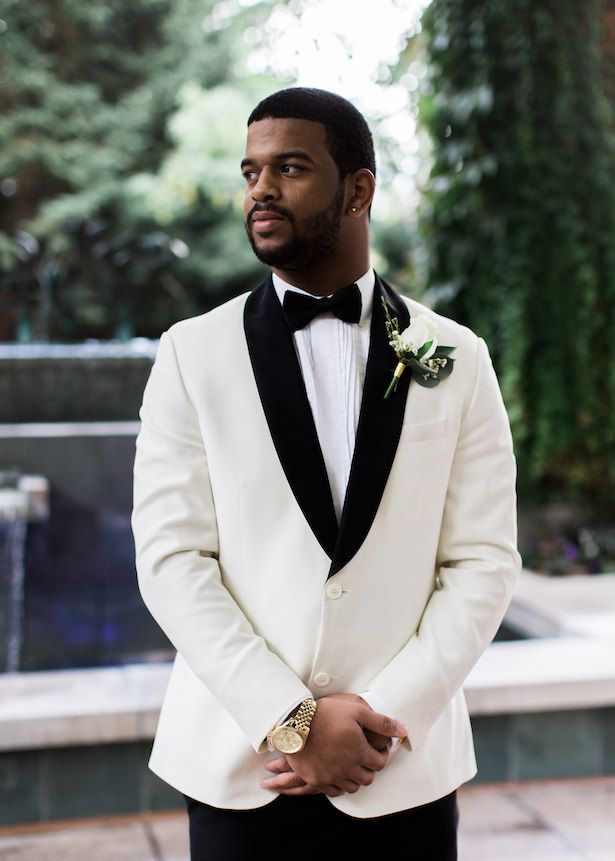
(339, 45)
(347, 47)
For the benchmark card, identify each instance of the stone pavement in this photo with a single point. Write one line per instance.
(563, 820)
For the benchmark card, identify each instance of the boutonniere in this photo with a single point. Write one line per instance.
(417, 347)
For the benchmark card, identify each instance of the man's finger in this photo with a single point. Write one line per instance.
(332, 790)
(363, 775)
(375, 760)
(288, 780)
(350, 786)
(278, 765)
(377, 741)
(301, 790)
(382, 724)
(367, 777)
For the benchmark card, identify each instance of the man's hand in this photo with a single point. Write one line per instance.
(338, 756)
(290, 783)
(377, 740)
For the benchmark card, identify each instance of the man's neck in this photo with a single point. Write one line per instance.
(326, 278)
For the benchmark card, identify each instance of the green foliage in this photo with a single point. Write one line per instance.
(393, 242)
(115, 155)
(520, 219)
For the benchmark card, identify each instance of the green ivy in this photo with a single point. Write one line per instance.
(520, 223)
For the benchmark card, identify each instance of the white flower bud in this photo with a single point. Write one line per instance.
(421, 330)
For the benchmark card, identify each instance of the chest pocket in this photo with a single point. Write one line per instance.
(423, 431)
(424, 442)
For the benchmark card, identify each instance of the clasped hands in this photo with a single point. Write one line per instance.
(347, 745)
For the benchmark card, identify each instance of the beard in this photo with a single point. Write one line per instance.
(316, 243)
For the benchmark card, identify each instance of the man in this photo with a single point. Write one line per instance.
(328, 562)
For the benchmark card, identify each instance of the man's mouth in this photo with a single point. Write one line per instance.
(264, 222)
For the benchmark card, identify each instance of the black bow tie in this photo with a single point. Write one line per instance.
(301, 309)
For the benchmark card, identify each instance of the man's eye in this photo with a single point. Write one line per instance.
(249, 175)
(290, 169)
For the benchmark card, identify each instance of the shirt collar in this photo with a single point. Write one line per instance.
(365, 284)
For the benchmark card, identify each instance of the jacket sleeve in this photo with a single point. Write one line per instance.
(180, 580)
(477, 564)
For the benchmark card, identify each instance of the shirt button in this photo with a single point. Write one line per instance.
(321, 679)
(334, 590)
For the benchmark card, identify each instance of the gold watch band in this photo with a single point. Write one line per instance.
(298, 722)
(303, 717)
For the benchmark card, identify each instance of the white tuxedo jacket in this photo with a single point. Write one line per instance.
(241, 562)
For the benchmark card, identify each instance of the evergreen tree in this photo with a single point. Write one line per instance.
(87, 97)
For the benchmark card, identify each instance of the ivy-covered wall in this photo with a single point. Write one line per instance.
(520, 222)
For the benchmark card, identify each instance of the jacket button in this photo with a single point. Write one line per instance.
(334, 590)
(321, 679)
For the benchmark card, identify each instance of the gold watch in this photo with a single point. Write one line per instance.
(291, 736)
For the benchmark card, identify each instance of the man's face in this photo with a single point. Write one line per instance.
(294, 197)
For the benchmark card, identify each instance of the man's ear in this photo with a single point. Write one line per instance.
(361, 186)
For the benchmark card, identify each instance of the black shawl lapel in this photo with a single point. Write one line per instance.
(287, 409)
(378, 430)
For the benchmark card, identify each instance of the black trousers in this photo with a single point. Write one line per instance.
(300, 826)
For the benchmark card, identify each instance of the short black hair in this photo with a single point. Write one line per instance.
(349, 139)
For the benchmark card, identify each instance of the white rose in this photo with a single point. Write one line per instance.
(421, 330)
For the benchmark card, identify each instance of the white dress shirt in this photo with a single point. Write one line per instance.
(333, 357)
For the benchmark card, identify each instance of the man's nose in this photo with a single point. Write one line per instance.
(265, 188)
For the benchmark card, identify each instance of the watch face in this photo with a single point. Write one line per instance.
(287, 740)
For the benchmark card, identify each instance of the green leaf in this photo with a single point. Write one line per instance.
(426, 346)
(428, 383)
(446, 371)
(419, 366)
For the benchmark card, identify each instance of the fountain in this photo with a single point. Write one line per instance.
(23, 498)
(70, 413)
(82, 664)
